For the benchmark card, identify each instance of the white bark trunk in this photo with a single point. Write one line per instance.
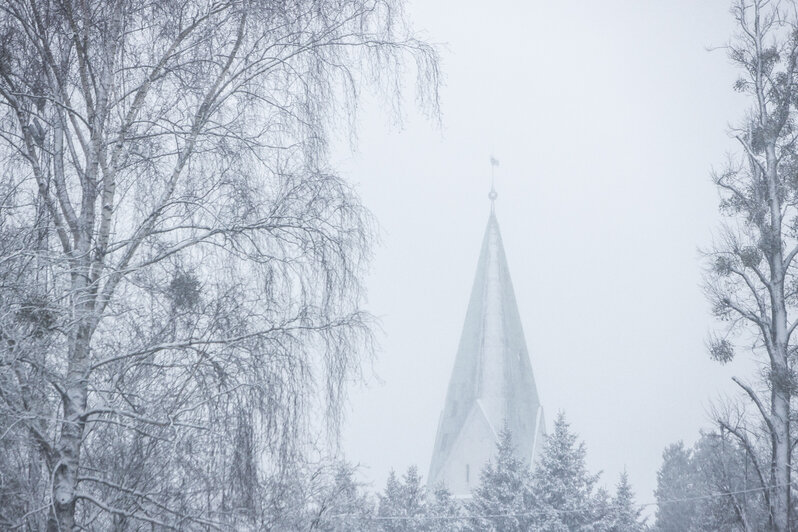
(779, 370)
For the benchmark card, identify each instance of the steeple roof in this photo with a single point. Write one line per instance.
(492, 382)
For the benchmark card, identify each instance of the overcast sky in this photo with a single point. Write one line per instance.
(607, 118)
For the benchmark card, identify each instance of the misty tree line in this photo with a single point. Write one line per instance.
(557, 494)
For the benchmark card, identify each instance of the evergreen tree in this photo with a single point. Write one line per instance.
(395, 504)
(625, 513)
(406, 505)
(343, 506)
(564, 491)
(504, 494)
(601, 516)
(676, 486)
(711, 486)
(444, 512)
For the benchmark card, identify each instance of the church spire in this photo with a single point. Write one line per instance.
(492, 382)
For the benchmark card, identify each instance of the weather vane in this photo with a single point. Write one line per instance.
(494, 162)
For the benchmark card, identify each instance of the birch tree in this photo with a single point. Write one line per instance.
(752, 283)
(184, 289)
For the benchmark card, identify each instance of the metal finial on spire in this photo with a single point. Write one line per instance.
(492, 195)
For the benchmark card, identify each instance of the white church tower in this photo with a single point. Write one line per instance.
(492, 382)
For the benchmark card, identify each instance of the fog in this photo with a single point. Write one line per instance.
(607, 118)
